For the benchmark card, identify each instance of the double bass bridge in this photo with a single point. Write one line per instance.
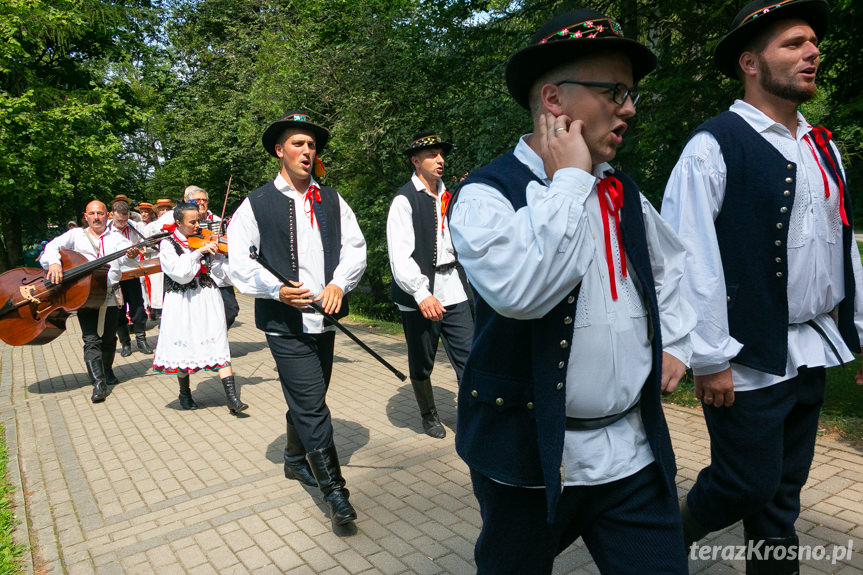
(27, 293)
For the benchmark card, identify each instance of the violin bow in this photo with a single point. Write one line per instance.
(224, 205)
(253, 253)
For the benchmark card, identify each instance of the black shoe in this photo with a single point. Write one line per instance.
(186, 401)
(325, 467)
(125, 349)
(107, 365)
(432, 425)
(768, 563)
(296, 466)
(232, 394)
(97, 377)
(692, 530)
(141, 342)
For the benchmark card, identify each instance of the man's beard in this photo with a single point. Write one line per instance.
(785, 90)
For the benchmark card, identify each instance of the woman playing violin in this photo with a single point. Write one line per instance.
(193, 334)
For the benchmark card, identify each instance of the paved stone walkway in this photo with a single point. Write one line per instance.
(136, 485)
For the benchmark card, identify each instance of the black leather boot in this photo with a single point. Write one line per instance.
(141, 339)
(234, 404)
(296, 466)
(768, 563)
(108, 366)
(97, 377)
(692, 529)
(186, 401)
(328, 473)
(425, 400)
(125, 339)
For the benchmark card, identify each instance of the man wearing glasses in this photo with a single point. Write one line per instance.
(208, 220)
(579, 323)
(759, 199)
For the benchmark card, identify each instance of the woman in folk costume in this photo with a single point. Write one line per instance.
(193, 335)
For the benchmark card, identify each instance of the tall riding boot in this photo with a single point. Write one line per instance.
(328, 473)
(186, 401)
(97, 377)
(425, 400)
(770, 562)
(231, 392)
(108, 365)
(692, 530)
(296, 466)
(125, 339)
(141, 339)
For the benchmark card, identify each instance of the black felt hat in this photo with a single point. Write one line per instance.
(294, 119)
(566, 38)
(758, 16)
(429, 139)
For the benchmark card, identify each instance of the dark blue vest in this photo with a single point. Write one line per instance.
(425, 222)
(277, 224)
(752, 233)
(512, 397)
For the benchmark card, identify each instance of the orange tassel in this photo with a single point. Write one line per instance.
(319, 170)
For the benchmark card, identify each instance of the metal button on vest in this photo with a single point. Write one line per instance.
(778, 260)
(570, 299)
(783, 210)
(564, 344)
(561, 365)
(567, 320)
(789, 180)
(777, 243)
(790, 166)
(474, 393)
(787, 193)
(559, 385)
(779, 274)
(529, 405)
(498, 401)
(728, 298)
(779, 226)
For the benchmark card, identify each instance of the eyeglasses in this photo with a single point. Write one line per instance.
(619, 92)
(199, 201)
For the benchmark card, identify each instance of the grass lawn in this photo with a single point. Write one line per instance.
(9, 551)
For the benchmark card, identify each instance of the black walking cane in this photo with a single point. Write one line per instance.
(253, 253)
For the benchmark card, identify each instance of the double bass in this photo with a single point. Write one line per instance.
(35, 310)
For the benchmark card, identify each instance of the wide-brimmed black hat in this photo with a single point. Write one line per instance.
(756, 17)
(566, 38)
(428, 139)
(294, 119)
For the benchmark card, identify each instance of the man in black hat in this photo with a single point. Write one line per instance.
(307, 232)
(758, 197)
(579, 323)
(428, 286)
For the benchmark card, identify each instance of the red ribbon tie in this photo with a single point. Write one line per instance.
(313, 194)
(610, 195)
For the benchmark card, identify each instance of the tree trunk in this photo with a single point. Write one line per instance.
(13, 253)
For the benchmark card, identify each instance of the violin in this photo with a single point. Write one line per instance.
(205, 236)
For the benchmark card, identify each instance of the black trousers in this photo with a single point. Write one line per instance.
(232, 308)
(98, 336)
(305, 364)
(134, 302)
(630, 526)
(761, 449)
(422, 335)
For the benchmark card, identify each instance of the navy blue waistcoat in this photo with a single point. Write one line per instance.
(425, 219)
(752, 233)
(277, 224)
(512, 397)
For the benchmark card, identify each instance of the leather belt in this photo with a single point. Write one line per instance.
(591, 423)
(445, 267)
